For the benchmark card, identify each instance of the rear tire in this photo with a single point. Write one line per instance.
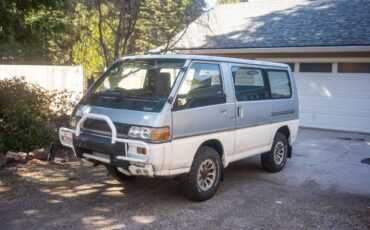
(202, 182)
(117, 174)
(275, 160)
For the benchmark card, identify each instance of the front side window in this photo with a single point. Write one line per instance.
(249, 84)
(202, 86)
(279, 84)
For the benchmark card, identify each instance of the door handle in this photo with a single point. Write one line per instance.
(223, 110)
(240, 111)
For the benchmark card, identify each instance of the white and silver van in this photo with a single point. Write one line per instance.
(187, 116)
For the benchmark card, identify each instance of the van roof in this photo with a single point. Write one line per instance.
(206, 58)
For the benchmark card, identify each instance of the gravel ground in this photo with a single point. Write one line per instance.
(324, 186)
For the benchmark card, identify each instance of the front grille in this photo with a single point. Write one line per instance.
(102, 126)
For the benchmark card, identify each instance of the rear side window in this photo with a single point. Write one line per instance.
(249, 84)
(202, 86)
(279, 84)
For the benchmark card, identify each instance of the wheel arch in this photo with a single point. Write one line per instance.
(216, 145)
(286, 131)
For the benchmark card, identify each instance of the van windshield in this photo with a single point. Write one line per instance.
(148, 79)
(141, 85)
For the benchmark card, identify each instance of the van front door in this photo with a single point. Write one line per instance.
(253, 111)
(201, 111)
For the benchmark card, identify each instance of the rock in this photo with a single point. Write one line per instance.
(13, 157)
(37, 162)
(59, 160)
(23, 155)
(2, 160)
(41, 154)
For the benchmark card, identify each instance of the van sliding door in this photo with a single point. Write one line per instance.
(253, 109)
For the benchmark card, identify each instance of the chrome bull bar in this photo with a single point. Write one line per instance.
(66, 138)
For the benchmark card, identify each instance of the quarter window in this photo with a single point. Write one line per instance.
(249, 84)
(202, 87)
(279, 84)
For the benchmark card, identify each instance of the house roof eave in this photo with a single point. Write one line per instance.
(316, 49)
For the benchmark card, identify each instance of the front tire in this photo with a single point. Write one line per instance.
(202, 182)
(275, 160)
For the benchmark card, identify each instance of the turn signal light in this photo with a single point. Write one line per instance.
(141, 150)
(160, 134)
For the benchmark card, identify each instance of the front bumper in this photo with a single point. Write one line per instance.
(112, 150)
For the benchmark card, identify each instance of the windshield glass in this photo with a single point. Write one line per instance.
(148, 79)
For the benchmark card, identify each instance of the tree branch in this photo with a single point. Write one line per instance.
(101, 39)
(133, 16)
(121, 16)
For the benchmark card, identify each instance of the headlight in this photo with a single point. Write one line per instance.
(153, 134)
(66, 138)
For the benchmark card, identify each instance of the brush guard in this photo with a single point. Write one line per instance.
(100, 146)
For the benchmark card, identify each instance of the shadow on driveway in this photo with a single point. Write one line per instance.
(324, 185)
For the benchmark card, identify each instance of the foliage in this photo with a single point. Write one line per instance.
(30, 116)
(91, 33)
(160, 21)
(29, 29)
(154, 24)
(86, 50)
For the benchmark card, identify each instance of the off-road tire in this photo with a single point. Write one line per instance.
(189, 181)
(268, 159)
(116, 174)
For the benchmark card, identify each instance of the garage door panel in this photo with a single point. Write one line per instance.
(333, 88)
(330, 94)
(314, 120)
(334, 80)
(336, 111)
(334, 101)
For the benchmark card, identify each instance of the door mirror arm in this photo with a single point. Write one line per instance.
(170, 100)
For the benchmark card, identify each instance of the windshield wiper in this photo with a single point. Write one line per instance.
(120, 91)
(147, 94)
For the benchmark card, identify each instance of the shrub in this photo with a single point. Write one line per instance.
(30, 115)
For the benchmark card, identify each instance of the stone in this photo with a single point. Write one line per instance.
(2, 160)
(23, 155)
(12, 157)
(40, 154)
(37, 162)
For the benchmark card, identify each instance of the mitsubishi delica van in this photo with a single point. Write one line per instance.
(185, 115)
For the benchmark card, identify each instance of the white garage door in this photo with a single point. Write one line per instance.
(339, 101)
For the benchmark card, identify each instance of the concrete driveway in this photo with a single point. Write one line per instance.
(324, 186)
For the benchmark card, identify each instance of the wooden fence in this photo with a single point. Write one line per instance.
(50, 77)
